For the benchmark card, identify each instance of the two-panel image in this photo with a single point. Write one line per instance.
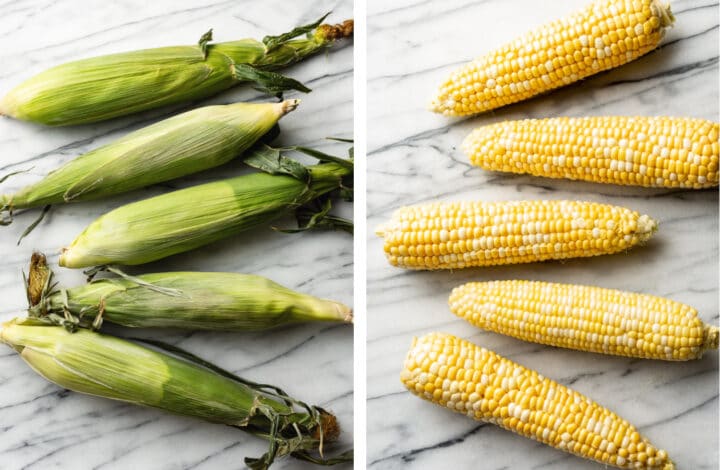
(523, 272)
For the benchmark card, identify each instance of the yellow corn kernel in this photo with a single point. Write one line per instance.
(640, 151)
(463, 234)
(554, 415)
(603, 35)
(586, 318)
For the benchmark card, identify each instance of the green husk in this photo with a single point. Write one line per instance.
(109, 367)
(105, 87)
(182, 220)
(184, 144)
(189, 300)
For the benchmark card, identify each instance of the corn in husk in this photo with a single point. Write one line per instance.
(189, 300)
(105, 87)
(187, 143)
(109, 367)
(182, 220)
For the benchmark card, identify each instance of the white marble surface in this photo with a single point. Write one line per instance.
(45, 427)
(414, 157)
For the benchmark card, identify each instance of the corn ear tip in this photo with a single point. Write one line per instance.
(646, 227)
(4, 326)
(37, 278)
(441, 103)
(8, 107)
(405, 374)
(434, 106)
(667, 19)
(454, 294)
(330, 33)
(349, 27)
(711, 337)
(63, 260)
(288, 106)
(6, 209)
(467, 144)
(340, 312)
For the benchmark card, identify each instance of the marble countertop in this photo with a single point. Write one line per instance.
(46, 427)
(414, 157)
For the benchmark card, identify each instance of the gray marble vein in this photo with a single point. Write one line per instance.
(414, 157)
(44, 426)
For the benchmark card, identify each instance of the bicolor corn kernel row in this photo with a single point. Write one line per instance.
(603, 35)
(477, 382)
(463, 234)
(586, 318)
(643, 151)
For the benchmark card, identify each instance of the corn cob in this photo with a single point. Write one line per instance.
(477, 382)
(109, 367)
(644, 151)
(105, 87)
(182, 220)
(586, 318)
(187, 143)
(464, 234)
(603, 35)
(190, 300)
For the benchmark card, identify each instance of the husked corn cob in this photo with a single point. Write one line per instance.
(644, 151)
(603, 35)
(190, 300)
(586, 318)
(109, 367)
(450, 235)
(187, 143)
(182, 220)
(477, 382)
(105, 87)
